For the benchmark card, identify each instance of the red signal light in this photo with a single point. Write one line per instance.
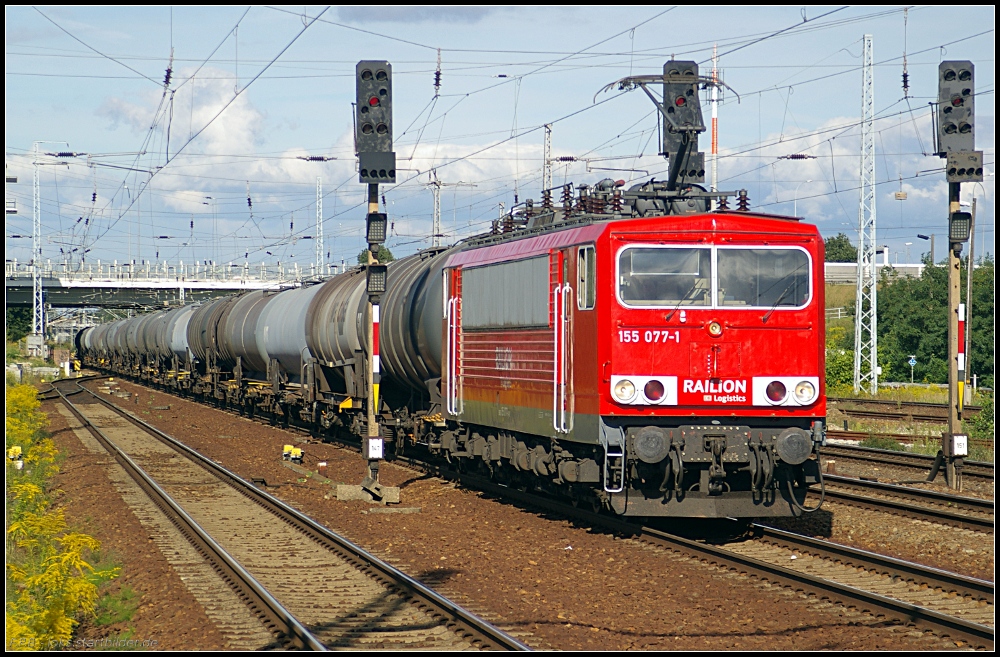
(957, 101)
(775, 391)
(373, 101)
(680, 101)
(654, 390)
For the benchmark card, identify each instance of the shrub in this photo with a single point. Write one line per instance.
(49, 580)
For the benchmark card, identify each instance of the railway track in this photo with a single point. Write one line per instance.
(310, 587)
(914, 411)
(929, 599)
(948, 604)
(971, 469)
(902, 438)
(931, 417)
(943, 508)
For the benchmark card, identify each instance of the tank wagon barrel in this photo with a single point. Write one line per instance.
(238, 335)
(323, 321)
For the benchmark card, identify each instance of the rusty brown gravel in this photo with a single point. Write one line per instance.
(167, 612)
(569, 587)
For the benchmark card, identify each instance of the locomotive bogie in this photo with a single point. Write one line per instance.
(653, 367)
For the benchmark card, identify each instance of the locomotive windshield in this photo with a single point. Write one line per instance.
(763, 277)
(713, 276)
(665, 276)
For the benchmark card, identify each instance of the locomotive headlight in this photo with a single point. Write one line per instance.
(624, 390)
(804, 392)
(715, 329)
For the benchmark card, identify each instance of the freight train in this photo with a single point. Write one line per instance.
(611, 350)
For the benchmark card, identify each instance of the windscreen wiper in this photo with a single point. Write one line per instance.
(781, 297)
(684, 298)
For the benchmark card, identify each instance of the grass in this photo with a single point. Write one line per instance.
(840, 296)
(116, 608)
(977, 451)
(926, 394)
(881, 442)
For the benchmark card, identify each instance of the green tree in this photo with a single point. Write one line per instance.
(840, 249)
(913, 320)
(18, 323)
(384, 256)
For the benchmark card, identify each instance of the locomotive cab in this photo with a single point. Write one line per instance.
(712, 400)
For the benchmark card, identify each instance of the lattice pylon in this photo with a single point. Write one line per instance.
(866, 309)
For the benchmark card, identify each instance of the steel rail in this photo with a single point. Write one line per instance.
(950, 626)
(933, 406)
(451, 613)
(978, 635)
(979, 589)
(959, 501)
(977, 469)
(942, 624)
(909, 510)
(902, 438)
(281, 622)
(898, 416)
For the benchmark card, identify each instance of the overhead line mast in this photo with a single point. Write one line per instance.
(715, 121)
(36, 341)
(866, 368)
(436, 186)
(319, 226)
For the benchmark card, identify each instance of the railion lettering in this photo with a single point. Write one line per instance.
(713, 386)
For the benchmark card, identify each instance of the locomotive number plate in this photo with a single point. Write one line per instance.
(652, 336)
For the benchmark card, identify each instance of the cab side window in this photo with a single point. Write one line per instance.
(586, 268)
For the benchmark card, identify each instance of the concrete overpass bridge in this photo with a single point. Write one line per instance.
(149, 286)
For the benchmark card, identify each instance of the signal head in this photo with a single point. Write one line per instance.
(956, 107)
(374, 122)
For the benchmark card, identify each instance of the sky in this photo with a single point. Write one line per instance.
(163, 172)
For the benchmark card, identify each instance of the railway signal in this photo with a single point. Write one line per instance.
(376, 159)
(376, 164)
(682, 107)
(956, 107)
(956, 143)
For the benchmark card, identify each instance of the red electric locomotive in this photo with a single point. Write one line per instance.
(665, 366)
